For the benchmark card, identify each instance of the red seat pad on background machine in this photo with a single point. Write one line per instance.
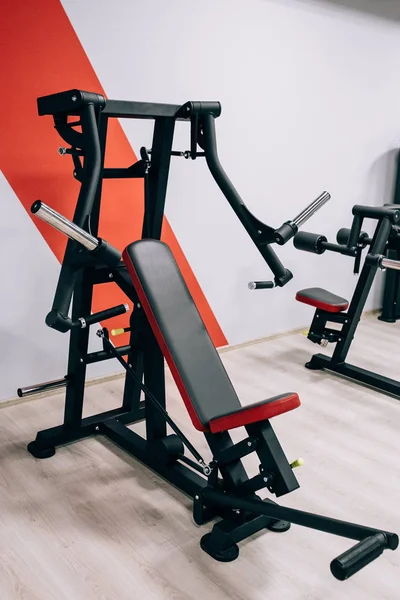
(320, 298)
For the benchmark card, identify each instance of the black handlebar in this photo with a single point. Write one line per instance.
(84, 205)
(260, 285)
(373, 541)
(262, 235)
(359, 556)
(257, 230)
(289, 229)
(104, 252)
(61, 323)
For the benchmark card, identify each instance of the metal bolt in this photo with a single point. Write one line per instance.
(130, 365)
(249, 444)
(74, 173)
(197, 497)
(188, 109)
(81, 360)
(74, 98)
(110, 275)
(138, 305)
(97, 428)
(265, 479)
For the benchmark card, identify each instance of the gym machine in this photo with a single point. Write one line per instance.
(331, 308)
(166, 325)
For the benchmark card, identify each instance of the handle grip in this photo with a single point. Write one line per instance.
(289, 229)
(389, 263)
(359, 556)
(103, 251)
(42, 387)
(62, 224)
(102, 315)
(260, 285)
(61, 323)
(311, 209)
(380, 261)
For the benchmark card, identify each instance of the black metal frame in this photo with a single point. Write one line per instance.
(79, 274)
(223, 488)
(386, 236)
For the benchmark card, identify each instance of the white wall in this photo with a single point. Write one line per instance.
(310, 102)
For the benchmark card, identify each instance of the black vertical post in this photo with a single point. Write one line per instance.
(154, 379)
(95, 213)
(391, 294)
(148, 362)
(233, 473)
(158, 176)
(396, 198)
(157, 180)
(132, 391)
(361, 292)
(78, 347)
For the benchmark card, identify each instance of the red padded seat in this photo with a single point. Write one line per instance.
(320, 298)
(253, 413)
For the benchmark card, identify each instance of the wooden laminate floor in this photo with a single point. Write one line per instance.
(93, 524)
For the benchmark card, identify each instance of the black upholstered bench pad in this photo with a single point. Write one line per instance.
(323, 299)
(186, 344)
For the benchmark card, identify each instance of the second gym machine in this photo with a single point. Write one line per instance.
(331, 308)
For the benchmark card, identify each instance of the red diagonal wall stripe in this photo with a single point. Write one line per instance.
(41, 55)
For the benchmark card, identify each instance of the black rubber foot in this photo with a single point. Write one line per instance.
(38, 452)
(312, 366)
(279, 526)
(227, 555)
(386, 320)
